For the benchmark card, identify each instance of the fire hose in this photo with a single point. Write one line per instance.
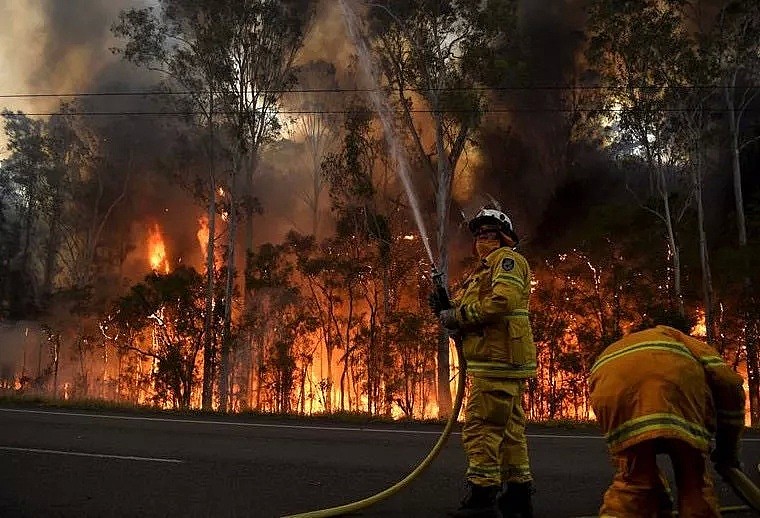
(401, 484)
(742, 486)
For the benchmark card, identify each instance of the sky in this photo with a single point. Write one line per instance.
(56, 46)
(22, 38)
(64, 46)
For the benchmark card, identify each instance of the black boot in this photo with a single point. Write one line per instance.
(480, 502)
(516, 501)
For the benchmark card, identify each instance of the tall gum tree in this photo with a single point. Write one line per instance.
(430, 53)
(734, 48)
(263, 38)
(692, 142)
(634, 47)
(235, 58)
(25, 166)
(317, 127)
(180, 40)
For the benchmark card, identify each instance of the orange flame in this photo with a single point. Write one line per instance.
(157, 250)
(700, 328)
(202, 234)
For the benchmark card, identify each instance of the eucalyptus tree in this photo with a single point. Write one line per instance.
(692, 140)
(734, 47)
(26, 168)
(234, 59)
(318, 126)
(430, 53)
(283, 327)
(83, 195)
(180, 39)
(315, 266)
(10, 240)
(352, 174)
(162, 318)
(635, 48)
(263, 40)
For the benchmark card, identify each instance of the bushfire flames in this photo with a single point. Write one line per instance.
(320, 391)
(157, 250)
(129, 367)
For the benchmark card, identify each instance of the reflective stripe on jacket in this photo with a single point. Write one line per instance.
(494, 317)
(663, 383)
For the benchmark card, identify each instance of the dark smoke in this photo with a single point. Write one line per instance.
(77, 35)
(525, 155)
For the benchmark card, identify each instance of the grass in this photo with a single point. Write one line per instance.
(13, 399)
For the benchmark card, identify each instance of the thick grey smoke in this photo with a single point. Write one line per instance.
(76, 40)
(525, 151)
(73, 55)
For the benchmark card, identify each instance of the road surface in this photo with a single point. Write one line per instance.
(67, 463)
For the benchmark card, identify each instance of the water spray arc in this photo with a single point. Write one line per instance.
(381, 106)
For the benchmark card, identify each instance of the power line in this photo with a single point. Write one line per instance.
(346, 112)
(148, 93)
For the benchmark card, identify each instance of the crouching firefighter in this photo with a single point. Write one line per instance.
(660, 391)
(490, 315)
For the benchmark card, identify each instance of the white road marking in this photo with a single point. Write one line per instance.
(296, 427)
(81, 454)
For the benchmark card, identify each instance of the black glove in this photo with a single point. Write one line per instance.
(726, 452)
(448, 319)
(435, 302)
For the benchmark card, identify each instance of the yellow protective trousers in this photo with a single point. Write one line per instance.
(638, 489)
(494, 432)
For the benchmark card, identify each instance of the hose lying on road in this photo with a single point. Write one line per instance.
(742, 486)
(361, 504)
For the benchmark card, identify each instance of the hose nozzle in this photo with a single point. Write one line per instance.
(440, 289)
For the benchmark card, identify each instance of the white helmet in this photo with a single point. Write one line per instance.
(488, 216)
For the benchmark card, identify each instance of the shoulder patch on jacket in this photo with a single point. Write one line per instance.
(508, 264)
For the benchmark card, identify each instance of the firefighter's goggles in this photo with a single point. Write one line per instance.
(487, 233)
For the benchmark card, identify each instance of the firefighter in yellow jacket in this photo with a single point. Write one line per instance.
(661, 391)
(490, 313)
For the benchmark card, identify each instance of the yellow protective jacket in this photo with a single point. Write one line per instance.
(493, 316)
(662, 383)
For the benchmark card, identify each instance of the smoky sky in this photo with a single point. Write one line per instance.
(522, 149)
(74, 39)
(74, 24)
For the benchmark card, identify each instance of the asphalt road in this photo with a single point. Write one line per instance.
(82, 464)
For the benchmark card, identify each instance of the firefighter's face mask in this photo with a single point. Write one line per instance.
(486, 241)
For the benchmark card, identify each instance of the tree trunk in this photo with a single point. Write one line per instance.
(250, 161)
(707, 287)
(672, 244)
(56, 351)
(751, 322)
(228, 294)
(443, 199)
(736, 167)
(209, 349)
(328, 388)
(53, 244)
